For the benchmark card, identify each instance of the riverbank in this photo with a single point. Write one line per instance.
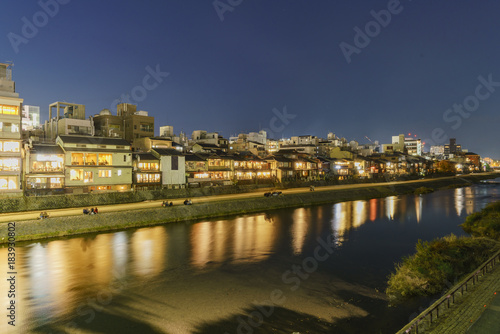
(108, 221)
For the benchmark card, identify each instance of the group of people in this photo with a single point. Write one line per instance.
(92, 211)
(188, 202)
(166, 203)
(43, 215)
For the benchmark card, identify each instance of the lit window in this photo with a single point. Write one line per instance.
(119, 172)
(105, 173)
(9, 110)
(10, 146)
(88, 177)
(76, 174)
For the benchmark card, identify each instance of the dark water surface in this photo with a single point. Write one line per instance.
(262, 273)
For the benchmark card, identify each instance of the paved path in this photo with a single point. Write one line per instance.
(482, 302)
(28, 215)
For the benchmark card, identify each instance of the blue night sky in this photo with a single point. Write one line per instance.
(229, 75)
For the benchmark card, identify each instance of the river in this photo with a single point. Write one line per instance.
(319, 269)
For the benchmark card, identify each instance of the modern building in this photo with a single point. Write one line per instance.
(31, 117)
(413, 146)
(452, 149)
(68, 119)
(108, 125)
(96, 164)
(10, 134)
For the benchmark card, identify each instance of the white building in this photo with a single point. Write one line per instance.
(10, 134)
(31, 117)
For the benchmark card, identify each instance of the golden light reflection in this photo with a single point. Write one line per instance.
(418, 207)
(390, 207)
(148, 251)
(469, 203)
(373, 209)
(358, 213)
(299, 229)
(247, 239)
(459, 200)
(342, 221)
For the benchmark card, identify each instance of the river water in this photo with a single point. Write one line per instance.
(320, 269)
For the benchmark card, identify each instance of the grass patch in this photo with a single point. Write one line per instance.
(423, 190)
(485, 223)
(436, 263)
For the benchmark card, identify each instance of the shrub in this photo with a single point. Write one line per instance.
(436, 263)
(485, 223)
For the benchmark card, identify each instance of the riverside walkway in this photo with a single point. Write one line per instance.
(30, 215)
(478, 312)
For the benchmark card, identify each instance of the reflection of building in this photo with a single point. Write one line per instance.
(10, 133)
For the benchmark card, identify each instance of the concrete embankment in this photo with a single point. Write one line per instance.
(72, 225)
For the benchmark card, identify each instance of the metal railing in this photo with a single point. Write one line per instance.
(424, 321)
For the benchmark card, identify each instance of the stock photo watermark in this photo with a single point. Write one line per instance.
(30, 27)
(458, 112)
(139, 93)
(223, 6)
(363, 37)
(293, 278)
(279, 122)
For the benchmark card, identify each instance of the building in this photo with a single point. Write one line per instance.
(172, 166)
(147, 174)
(167, 131)
(70, 122)
(108, 125)
(452, 149)
(31, 117)
(137, 124)
(10, 134)
(96, 164)
(413, 146)
(44, 169)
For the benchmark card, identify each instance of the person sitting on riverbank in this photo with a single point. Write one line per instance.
(86, 211)
(171, 204)
(95, 210)
(92, 212)
(188, 202)
(43, 215)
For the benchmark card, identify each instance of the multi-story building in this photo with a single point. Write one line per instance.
(147, 173)
(172, 166)
(70, 122)
(137, 124)
(96, 164)
(108, 125)
(413, 146)
(44, 169)
(452, 149)
(10, 134)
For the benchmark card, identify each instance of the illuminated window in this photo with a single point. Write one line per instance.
(9, 110)
(10, 146)
(90, 159)
(8, 183)
(76, 174)
(105, 159)
(88, 177)
(9, 164)
(55, 182)
(105, 173)
(119, 172)
(77, 158)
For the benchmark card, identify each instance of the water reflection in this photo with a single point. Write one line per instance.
(59, 276)
(248, 239)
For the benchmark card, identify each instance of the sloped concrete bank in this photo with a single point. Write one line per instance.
(72, 225)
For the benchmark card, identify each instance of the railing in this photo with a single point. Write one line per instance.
(424, 321)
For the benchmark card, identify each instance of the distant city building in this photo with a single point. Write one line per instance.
(437, 150)
(452, 148)
(167, 131)
(128, 123)
(10, 134)
(31, 117)
(413, 146)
